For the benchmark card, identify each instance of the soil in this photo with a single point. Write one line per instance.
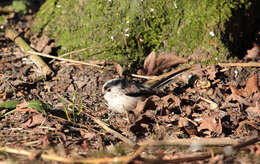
(55, 115)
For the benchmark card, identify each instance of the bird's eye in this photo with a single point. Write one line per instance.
(108, 89)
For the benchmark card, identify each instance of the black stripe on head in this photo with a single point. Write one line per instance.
(113, 82)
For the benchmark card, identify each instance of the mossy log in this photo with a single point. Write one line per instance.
(127, 31)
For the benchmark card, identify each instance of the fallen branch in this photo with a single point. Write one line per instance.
(194, 157)
(127, 158)
(251, 64)
(190, 141)
(7, 10)
(14, 36)
(30, 155)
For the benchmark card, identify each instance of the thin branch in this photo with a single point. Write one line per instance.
(29, 154)
(63, 59)
(251, 64)
(190, 141)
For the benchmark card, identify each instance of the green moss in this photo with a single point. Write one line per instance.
(127, 31)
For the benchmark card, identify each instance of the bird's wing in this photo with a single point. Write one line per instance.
(136, 90)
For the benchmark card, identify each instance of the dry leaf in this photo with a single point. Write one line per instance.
(254, 111)
(183, 122)
(170, 101)
(149, 63)
(251, 85)
(210, 123)
(253, 53)
(168, 60)
(154, 65)
(188, 126)
(236, 96)
(211, 71)
(42, 42)
(33, 121)
(140, 107)
(119, 69)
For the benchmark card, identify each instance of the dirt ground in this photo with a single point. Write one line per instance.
(64, 117)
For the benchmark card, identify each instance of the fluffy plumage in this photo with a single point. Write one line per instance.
(122, 95)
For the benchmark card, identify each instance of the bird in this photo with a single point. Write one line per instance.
(122, 95)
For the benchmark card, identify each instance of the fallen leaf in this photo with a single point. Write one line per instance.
(211, 71)
(170, 101)
(236, 96)
(254, 111)
(33, 121)
(42, 43)
(210, 123)
(44, 141)
(183, 122)
(253, 53)
(251, 85)
(149, 63)
(167, 60)
(140, 107)
(154, 65)
(188, 126)
(119, 69)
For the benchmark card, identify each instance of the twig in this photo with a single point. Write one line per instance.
(63, 59)
(69, 53)
(205, 155)
(126, 158)
(13, 59)
(247, 143)
(190, 141)
(13, 35)
(108, 129)
(251, 64)
(7, 10)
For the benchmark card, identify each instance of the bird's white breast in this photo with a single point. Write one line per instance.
(118, 102)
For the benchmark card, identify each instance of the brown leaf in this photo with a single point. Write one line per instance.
(33, 121)
(167, 60)
(236, 96)
(183, 122)
(42, 43)
(154, 65)
(211, 71)
(254, 52)
(44, 141)
(140, 107)
(210, 123)
(188, 126)
(254, 111)
(149, 63)
(119, 69)
(170, 101)
(251, 85)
